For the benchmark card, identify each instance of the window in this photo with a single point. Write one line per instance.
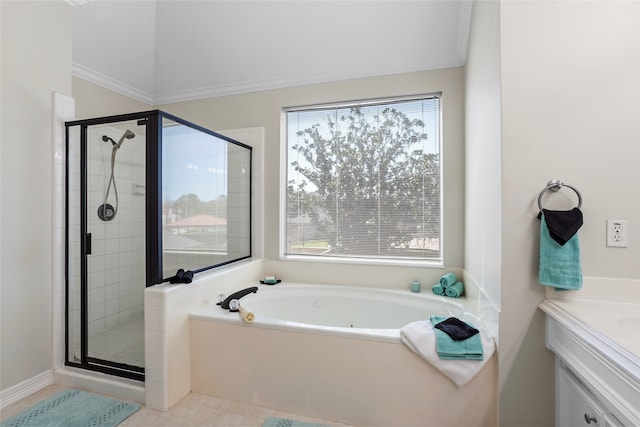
(363, 180)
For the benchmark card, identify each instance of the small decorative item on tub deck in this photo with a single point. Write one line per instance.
(448, 280)
(246, 314)
(270, 280)
(415, 286)
(449, 286)
(455, 291)
(438, 289)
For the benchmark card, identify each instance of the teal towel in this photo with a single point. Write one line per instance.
(450, 349)
(455, 290)
(438, 289)
(559, 265)
(448, 279)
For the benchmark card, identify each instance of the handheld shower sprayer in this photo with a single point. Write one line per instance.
(106, 212)
(127, 135)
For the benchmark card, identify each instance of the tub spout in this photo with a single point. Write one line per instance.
(238, 295)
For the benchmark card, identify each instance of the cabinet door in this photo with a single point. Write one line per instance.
(576, 406)
(611, 421)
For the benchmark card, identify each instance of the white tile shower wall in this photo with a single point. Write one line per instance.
(117, 263)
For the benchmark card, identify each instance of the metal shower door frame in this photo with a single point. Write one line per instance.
(87, 362)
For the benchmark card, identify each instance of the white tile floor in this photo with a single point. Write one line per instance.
(194, 410)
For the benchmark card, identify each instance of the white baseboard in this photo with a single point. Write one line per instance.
(25, 388)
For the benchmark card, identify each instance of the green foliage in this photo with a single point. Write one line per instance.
(371, 187)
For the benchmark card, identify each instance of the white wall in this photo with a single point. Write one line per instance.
(36, 60)
(264, 108)
(483, 169)
(95, 101)
(571, 111)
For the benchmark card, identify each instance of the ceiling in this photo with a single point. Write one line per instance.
(168, 51)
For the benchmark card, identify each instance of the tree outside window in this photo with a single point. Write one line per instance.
(364, 180)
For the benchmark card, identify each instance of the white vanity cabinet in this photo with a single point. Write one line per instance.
(597, 379)
(576, 405)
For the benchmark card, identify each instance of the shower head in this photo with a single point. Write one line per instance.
(127, 134)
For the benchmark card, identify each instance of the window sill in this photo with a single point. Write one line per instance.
(363, 261)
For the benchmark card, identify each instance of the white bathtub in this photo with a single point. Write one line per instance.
(339, 310)
(334, 352)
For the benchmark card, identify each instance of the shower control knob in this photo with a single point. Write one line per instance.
(588, 418)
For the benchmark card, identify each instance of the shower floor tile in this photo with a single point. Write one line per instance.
(123, 343)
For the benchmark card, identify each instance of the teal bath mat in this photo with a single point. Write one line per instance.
(73, 408)
(285, 422)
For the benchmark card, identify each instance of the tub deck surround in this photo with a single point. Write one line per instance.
(167, 346)
(361, 375)
(169, 343)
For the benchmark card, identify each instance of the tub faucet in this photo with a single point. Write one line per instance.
(238, 295)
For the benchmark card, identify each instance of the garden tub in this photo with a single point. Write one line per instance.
(334, 352)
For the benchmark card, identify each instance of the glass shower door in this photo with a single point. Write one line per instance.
(107, 305)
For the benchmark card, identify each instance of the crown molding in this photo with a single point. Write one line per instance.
(279, 83)
(107, 82)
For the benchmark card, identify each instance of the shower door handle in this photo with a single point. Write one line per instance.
(87, 243)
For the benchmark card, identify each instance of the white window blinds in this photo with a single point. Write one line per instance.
(364, 179)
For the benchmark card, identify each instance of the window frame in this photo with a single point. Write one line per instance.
(435, 262)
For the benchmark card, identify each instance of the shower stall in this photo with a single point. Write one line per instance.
(150, 198)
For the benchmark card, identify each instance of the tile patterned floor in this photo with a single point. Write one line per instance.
(194, 410)
(123, 343)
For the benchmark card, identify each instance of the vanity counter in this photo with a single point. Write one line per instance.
(612, 327)
(599, 342)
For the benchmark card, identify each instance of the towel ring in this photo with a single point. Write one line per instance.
(555, 185)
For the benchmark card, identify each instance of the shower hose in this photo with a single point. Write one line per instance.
(115, 190)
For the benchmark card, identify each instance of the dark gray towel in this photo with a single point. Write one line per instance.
(563, 225)
(456, 329)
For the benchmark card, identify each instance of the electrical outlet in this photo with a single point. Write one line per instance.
(617, 233)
